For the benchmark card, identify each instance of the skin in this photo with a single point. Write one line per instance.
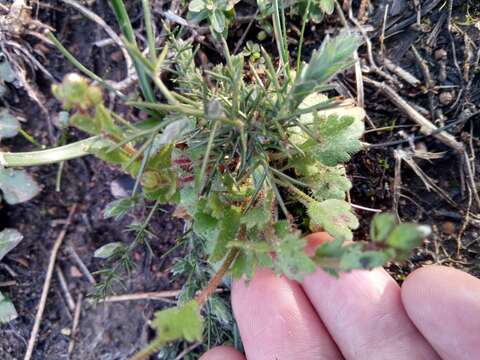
(361, 315)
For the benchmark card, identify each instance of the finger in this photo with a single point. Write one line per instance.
(363, 312)
(444, 304)
(276, 321)
(222, 353)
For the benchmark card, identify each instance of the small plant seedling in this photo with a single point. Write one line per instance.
(218, 13)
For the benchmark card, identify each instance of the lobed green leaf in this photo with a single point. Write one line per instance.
(333, 215)
(181, 322)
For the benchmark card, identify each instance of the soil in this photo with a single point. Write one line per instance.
(106, 331)
(115, 330)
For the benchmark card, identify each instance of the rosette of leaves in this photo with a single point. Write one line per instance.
(218, 13)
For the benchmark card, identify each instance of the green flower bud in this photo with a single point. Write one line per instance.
(95, 95)
(152, 180)
(76, 92)
(262, 35)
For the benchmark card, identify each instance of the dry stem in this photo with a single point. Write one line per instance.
(46, 284)
(217, 278)
(426, 126)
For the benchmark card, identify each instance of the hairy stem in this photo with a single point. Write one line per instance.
(149, 350)
(217, 278)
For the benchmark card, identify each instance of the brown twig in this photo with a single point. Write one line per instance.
(468, 58)
(475, 65)
(428, 80)
(217, 278)
(397, 182)
(466, 221)
(358, 67)
(359, 81)
(369, 46)
(76, 321)
(382, 34)
(418, 9)
(471, 177)
(81, 264)
(412, 19)
(401, 73)
(154, 295)
(46, 284)
(244, 35)
(452, 41)
(64, 286)
(432, 38)
(187, 351)
(426, 126)
(362, 10)
(408, 158)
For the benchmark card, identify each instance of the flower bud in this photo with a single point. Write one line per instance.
(75, 92)
(152, 180)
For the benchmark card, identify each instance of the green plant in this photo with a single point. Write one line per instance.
(316, 9)
(236, 154)
(17, 186)
(9, 239)
(218, 13)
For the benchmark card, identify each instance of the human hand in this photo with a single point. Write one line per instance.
(361, 315)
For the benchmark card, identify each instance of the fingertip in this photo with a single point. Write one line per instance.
(444, 304)
(439, 283)
(222, 353)
(315, 240)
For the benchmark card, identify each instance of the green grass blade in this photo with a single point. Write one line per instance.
(73, 60)
(280, 37)
(127, 31)
(150, 31)
(302, 34)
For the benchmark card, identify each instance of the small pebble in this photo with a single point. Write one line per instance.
(448, 227)
(74, 272)
(122, 186)
(440, 54)
(117, 56)
(446, 98)
(66, 332)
